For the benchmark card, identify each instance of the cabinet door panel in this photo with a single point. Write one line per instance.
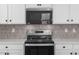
(76, 51)
(14, 46)
(64, 48)
(14, 51)
(61, 14)
(75, 46)
(3, 14)
(17, 14)
(62, 53)
(75, 13)
(2, 53)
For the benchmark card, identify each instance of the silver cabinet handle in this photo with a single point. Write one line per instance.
(10, 20)
(67, 20)
(72, 20)
(64, 47)
(75, 53)
(6, 47)
(71, 53)
(6, 20)
(39, 4)
(7, 53)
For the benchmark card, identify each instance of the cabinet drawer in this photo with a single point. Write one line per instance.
(2, 46)
(63, 52)
(63, 46)
(14, 50)
(76, 46)
(2, 53)
(16, 53)
(14, 46)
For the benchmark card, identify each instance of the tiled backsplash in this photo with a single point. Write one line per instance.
(19, 31)
(12, 31)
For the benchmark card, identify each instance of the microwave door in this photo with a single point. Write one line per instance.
(33, 17)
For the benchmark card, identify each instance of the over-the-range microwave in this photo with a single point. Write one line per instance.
(39, 16)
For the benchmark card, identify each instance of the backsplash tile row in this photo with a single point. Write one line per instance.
(19, 31)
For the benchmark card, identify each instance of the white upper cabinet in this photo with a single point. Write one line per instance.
(66, 14)
(16, 14)
(74, 11)
(38, 5)
(3, 14)
(12, 14)
(61, 14)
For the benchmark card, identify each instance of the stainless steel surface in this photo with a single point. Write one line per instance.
(39, 9)
(45, 32)
(39, 44)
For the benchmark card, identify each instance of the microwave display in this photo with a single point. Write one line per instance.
(39, 17)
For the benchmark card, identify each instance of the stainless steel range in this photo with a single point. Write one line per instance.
(39, 43)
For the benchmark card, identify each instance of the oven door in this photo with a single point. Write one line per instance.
(39, 50)
(31, 50)
(46, 50)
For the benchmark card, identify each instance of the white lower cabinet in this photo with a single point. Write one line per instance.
(63, 49)
(76, 49)
(11, 49)
(67, 48)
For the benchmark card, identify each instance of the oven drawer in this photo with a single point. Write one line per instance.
(39, 50)
(46, 50)
(30, 50)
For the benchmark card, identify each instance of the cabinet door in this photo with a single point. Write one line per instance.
(63, 52)
(16, 14)
(45, 50)
(3, 14)
(76, 49)
(74, 13)
(14, 51)
(61, 14)
(63, 49)
(31, 50)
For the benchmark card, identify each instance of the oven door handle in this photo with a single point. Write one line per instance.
(39, 44)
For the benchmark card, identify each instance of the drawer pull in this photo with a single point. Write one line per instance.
(64, 47)
(10, 20)
(71, 53)
(75, 53)
(5, 53)
(38, 4)
(71, 20)
(6, 47)
(67, 20)
(6, 20)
